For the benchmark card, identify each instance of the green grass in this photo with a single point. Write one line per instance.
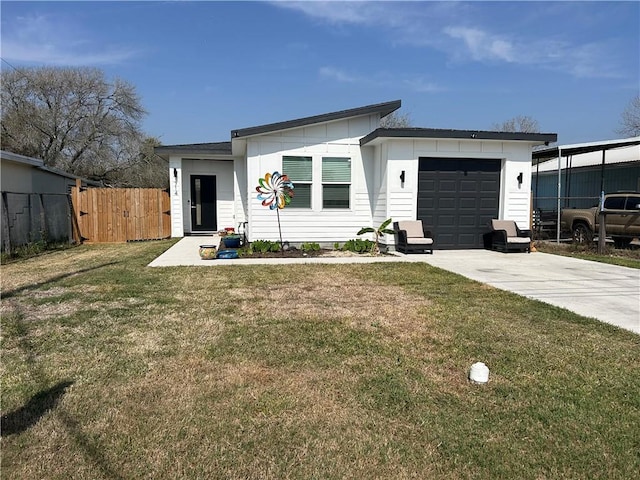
(629, 257)
(111, 369)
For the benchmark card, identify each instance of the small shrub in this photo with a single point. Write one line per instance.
(264, 246)
(359, 245)
(308, 247)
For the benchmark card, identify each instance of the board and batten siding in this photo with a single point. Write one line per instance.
(403, 154)
(175, 190)
(180, 188)
(325, 226)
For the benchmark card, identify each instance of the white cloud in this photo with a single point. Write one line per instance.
(482, 45)
(365, 13)
(339, 75)
(381, 79)
(421, 85)
(460, 31)
(40, 40)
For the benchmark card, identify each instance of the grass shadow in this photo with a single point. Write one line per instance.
(28, 415)
(11, 293)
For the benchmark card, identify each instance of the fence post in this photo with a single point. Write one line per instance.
(532, 245)
(6, 231)
(44, 232)
(75, 210)
(602, 231)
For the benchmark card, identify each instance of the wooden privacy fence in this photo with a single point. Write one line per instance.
(111, 215)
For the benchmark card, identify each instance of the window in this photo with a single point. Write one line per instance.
(336, 182)
(299, 171)
(614, 203)
(632, 203)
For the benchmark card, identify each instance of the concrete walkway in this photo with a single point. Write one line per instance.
(606, 292)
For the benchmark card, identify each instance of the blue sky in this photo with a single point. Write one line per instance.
(205, 68)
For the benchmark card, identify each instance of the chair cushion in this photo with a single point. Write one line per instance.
(522, 240)
(508, 225)
(419, 241)
(412, 227)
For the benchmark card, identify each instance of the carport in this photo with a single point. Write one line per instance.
(573, 192)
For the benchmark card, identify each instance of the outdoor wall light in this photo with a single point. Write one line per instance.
(520, 179)
(402, 177)
(175, 173)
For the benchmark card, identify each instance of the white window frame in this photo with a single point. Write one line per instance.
(348, 183)
(296, 183)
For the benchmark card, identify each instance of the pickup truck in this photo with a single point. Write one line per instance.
(622, 219)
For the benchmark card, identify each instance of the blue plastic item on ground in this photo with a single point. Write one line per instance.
(227, 254)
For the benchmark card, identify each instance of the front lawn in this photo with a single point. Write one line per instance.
(111, 369)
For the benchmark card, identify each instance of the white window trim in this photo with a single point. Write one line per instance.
(349, 183)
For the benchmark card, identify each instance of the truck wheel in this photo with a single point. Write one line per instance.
(582, 233)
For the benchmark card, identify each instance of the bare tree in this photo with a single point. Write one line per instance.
(150, 170)
(630, 121)
(520, 123)
(72, 118)
(396, 120)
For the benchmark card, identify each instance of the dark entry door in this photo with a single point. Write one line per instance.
(203, 203)
(457, 198)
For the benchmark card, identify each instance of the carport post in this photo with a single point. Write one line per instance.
(559, 190)
(602, 229)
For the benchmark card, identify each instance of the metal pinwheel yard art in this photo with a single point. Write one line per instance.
(275, 191)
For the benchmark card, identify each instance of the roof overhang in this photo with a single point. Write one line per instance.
(550, 153)
(378, 135)
(382, 109)
(221, 149)
(14, 157)
(39, 164)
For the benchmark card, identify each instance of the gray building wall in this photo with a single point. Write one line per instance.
(19, 177)
(35, 202)
(581, 187)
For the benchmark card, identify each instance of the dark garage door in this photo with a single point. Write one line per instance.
(457, 198)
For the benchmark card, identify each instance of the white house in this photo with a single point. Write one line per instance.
(349, 173)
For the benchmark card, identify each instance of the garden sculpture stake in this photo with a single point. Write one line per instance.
(275, 191)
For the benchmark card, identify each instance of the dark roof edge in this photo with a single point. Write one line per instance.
(457, 134)
(16, 157)
(217, 148)
(383, 109)
(552, 152)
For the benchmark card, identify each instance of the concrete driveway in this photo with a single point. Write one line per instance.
(606, 292)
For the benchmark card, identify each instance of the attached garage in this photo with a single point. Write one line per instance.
(455, 181)
(457, 198)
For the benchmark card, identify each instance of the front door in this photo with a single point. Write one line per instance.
(203, 203)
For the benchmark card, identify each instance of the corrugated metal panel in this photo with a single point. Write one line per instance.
(583, 187)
